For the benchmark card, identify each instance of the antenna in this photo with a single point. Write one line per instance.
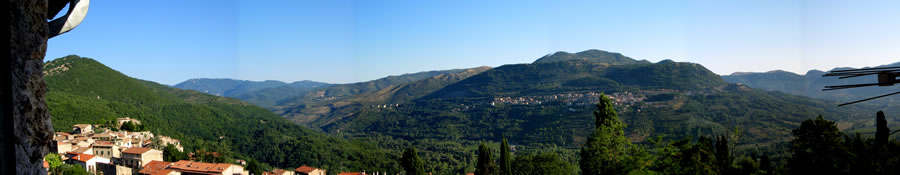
(887, 76)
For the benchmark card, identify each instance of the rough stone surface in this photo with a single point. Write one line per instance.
(32, 130)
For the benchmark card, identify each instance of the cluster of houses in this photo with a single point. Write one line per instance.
(104, 152)
(570, 98)
(580, 99)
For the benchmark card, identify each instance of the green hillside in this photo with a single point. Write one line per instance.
(347, 90)
(82, 90)
(328, 111)
(581, 76)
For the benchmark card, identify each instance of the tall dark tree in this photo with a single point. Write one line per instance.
(505, 159)
(485, 165)
(411, 162)
(881, 129)
(863, 163)
(817, 148)
(723, 155)
(605, 113)
(605, 151)
(765, 164)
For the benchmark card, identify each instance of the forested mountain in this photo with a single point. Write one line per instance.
(592, 55)
(346, 90)
(581, 76)
(330, 109)
(546, 103)
(82, 90)
(812, 83)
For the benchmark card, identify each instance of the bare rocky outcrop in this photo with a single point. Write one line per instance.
(27, 131)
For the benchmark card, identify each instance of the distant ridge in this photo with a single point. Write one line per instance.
(231, 88)
(812, 83)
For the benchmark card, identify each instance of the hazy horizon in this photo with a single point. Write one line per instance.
(355, 41)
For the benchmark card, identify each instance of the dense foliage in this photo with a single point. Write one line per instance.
(543, 163)
(819, 148)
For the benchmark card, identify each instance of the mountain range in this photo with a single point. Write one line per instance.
(541, 106)
(812, 83)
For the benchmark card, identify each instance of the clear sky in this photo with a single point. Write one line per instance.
(350, 41)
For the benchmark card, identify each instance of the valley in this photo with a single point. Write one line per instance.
(539, 107)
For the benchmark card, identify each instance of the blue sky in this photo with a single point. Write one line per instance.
(350, 41)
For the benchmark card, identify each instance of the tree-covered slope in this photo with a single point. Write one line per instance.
(82, 90)
(345, 90)
(328, 111)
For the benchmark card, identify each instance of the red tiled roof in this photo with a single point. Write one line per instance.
(136, 150)
(199, 167)
(305, 169)
(155, 167)
(82, 157)
(162, 172)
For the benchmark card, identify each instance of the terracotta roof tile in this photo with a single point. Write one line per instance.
(155, 167)
(199, 167)
(83, 157)
(136, 150)
(305, 169)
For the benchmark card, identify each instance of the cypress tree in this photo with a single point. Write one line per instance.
(505, 160)
(411, 162)
(723, 158)
(485, 165)
(765, 164)
(605, 150)
(881, 129)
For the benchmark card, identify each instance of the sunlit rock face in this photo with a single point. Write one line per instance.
(27, 133)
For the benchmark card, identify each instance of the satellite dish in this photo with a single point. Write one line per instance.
(887, 76)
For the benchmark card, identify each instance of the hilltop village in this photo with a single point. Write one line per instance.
(128, 150)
